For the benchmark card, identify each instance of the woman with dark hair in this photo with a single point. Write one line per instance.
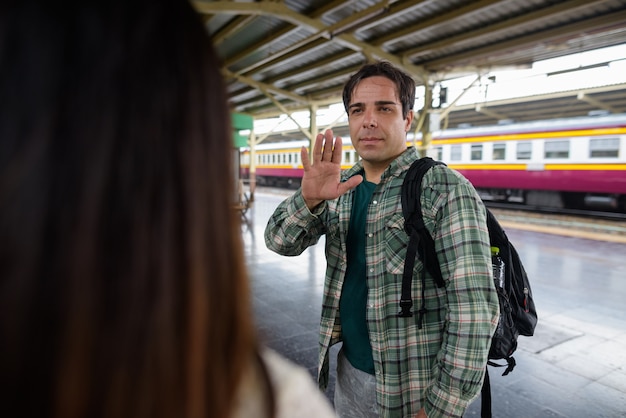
(122, 286)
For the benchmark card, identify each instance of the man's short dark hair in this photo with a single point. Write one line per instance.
(405, 85)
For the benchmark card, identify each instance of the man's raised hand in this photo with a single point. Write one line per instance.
(322, 176)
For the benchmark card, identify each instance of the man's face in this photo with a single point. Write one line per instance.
(377, 129)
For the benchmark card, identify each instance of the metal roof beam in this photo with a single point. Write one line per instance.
(358, 18)
(427, 24)
(256, 46)
(291, 52)
(485, 111)
(444, 112)
(274, 37)
(534, 99)
(265, 87)
(327, 60)
(235, 25)
(313, 97)
(586, 98)
(268, 111)
(393, 9)
(542, 37)
(279, 105)
(504, 25)
(280, 10)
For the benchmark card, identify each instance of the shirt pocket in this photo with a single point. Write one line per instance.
(396, 241)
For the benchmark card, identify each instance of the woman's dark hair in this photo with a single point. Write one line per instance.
(405, 85)
(123, 291)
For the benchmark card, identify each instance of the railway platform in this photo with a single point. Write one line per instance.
(574, 366)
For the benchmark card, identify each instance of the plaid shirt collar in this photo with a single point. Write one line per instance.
(397, 166)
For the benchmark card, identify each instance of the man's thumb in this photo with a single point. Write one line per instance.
(349, 184)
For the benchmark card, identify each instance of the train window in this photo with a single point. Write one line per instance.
(524, 150)
(556, 149)
(438, 153)
(346, 157)
(499, 152)
(604, 147)
(455, 153)
(477, 152)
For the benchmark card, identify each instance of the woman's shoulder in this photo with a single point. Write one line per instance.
(293, 389)
(296, 394)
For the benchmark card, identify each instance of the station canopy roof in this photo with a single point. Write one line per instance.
(284, 56)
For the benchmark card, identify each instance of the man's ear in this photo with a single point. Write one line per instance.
(409, 121)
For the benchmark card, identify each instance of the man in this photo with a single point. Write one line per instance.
(388, 366)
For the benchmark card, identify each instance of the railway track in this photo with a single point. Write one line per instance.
(594, 225)
(575, 213)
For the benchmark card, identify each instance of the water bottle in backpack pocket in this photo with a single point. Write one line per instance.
(504, 341)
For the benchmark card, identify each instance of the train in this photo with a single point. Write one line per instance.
(577, 163)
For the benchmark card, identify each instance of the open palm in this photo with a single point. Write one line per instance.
(322, 176)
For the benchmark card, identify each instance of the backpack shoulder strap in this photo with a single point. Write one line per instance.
(420, 240)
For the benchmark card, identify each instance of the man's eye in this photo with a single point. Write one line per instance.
(355, 111)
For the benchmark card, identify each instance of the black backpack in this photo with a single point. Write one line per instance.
(518, 315)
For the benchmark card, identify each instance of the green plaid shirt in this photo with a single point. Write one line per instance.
(441, 366)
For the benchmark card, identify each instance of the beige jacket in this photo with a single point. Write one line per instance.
(296, 395)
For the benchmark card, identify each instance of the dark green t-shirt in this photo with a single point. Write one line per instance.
(356, 342)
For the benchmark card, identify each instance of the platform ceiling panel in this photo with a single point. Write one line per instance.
(287, 55)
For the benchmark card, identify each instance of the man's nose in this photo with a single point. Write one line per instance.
(369, 120)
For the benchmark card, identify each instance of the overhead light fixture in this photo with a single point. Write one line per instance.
(581, 68)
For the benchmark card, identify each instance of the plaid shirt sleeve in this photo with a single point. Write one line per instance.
(293, 227)
(458, 220)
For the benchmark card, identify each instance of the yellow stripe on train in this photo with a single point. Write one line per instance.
(531, 166)
(531, 135)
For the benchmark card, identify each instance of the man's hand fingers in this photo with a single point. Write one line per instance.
(304, 157)
(328, 145)
(351, 183)
(317, 147)
(337, 150)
